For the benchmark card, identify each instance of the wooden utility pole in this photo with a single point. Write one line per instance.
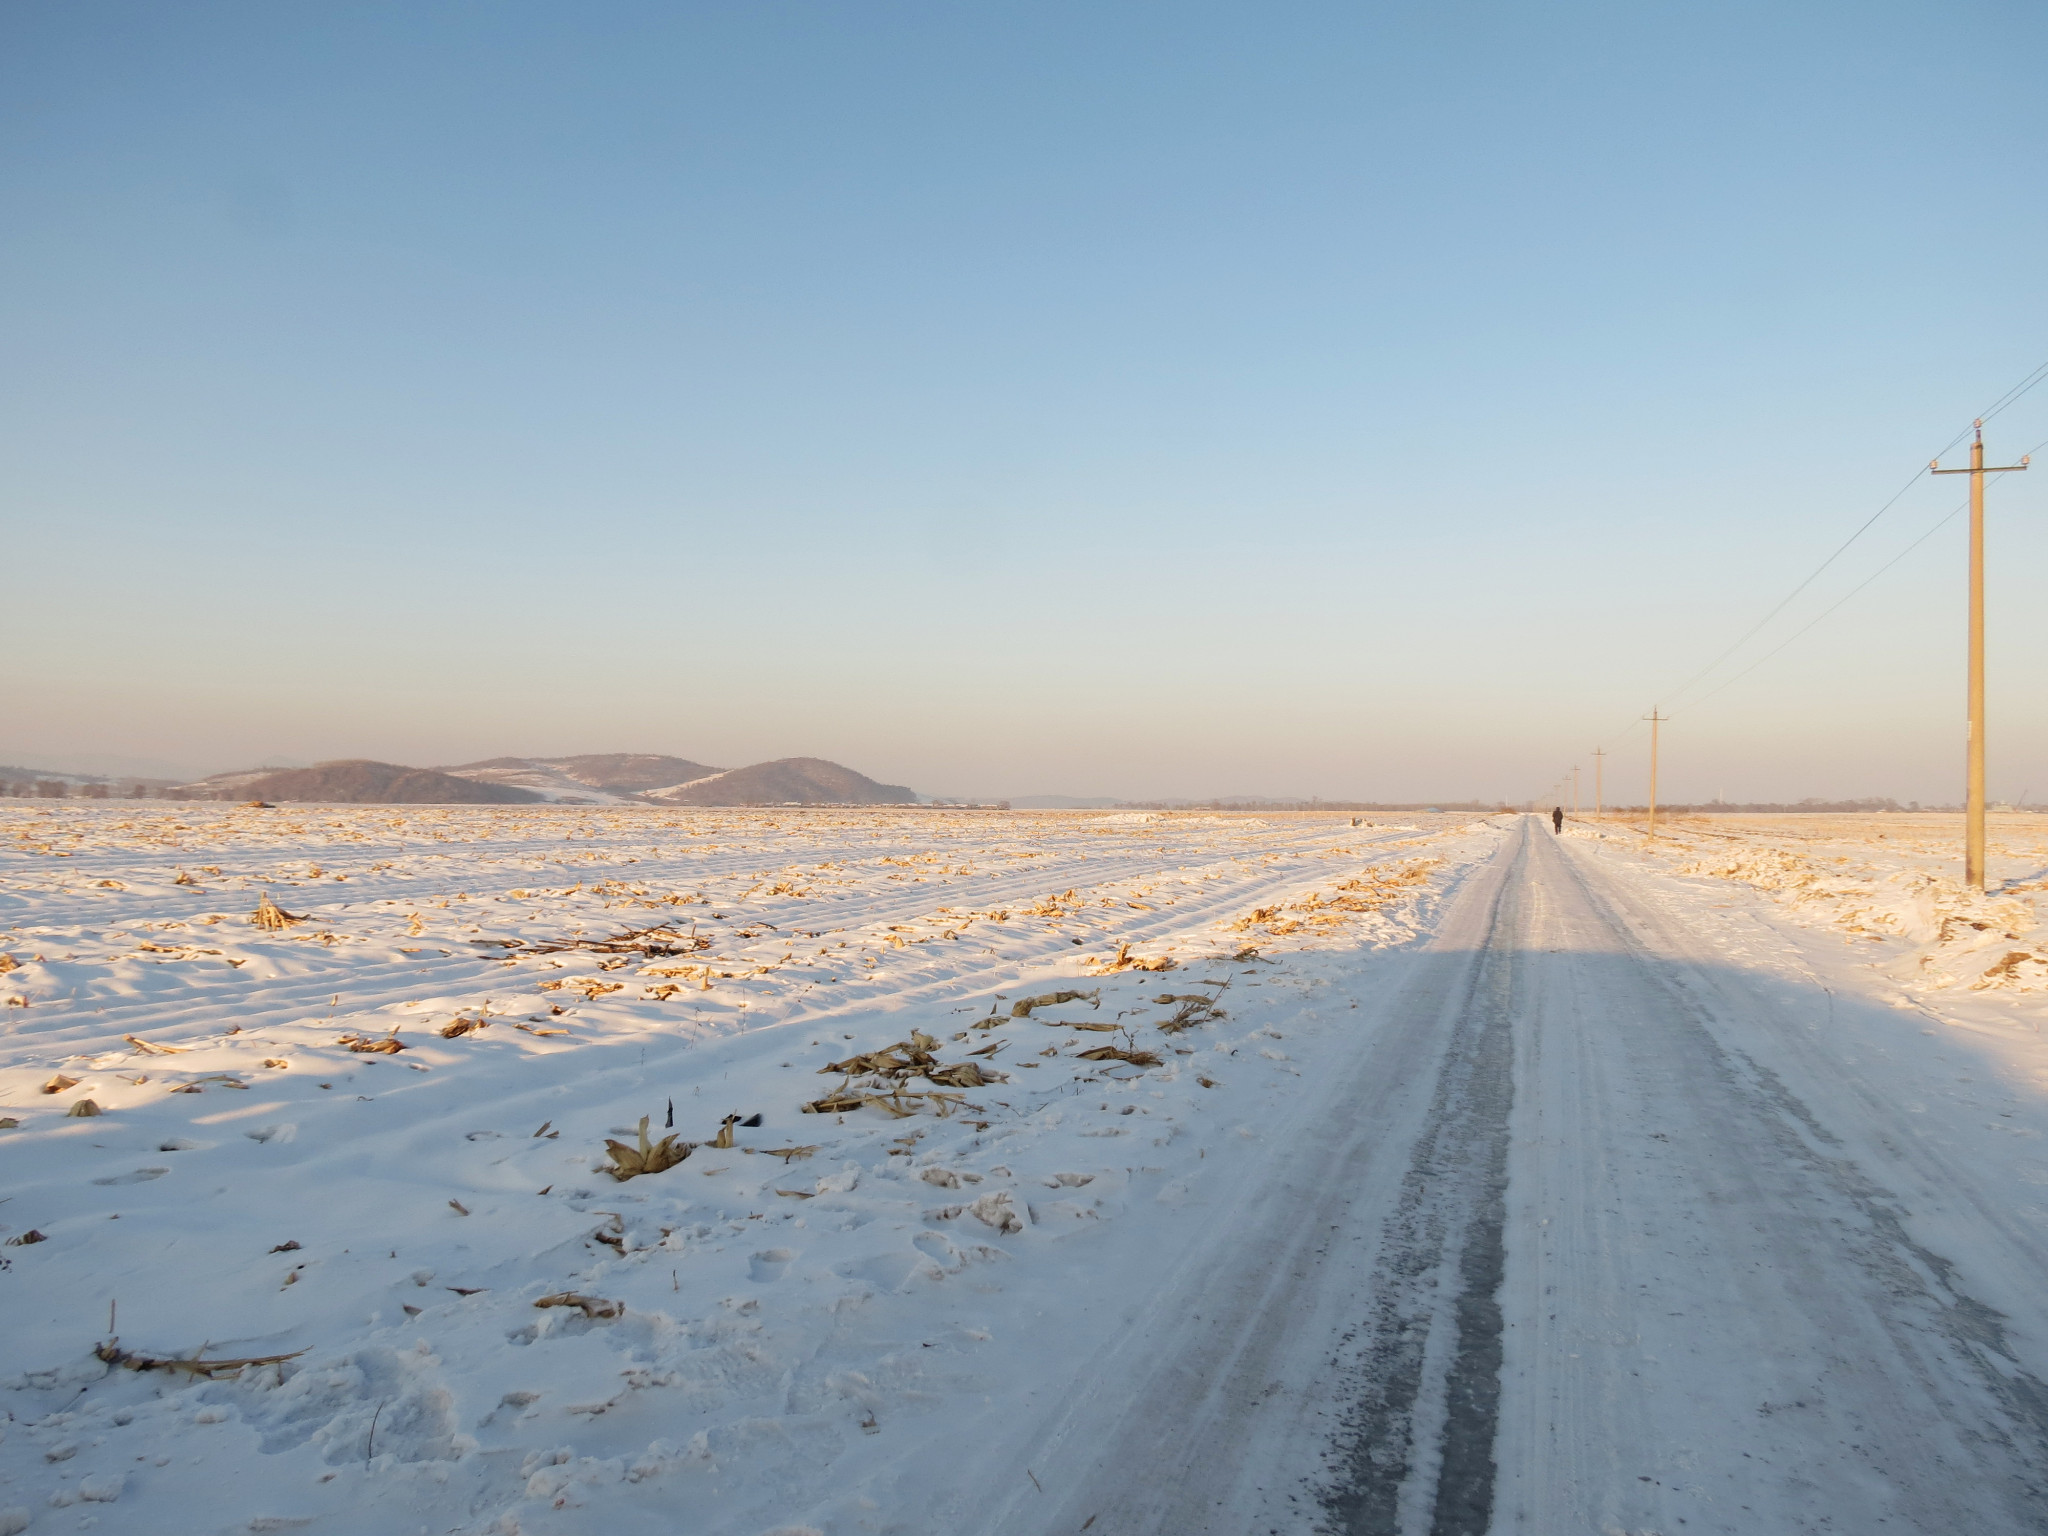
(1599, 753)
(1575, 791)
(1655, 720)
(1973, 816)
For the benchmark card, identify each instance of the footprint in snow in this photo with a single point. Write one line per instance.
(139, 1176)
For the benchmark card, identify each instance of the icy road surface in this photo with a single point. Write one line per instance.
(1623, 1219)
(1431, 1176)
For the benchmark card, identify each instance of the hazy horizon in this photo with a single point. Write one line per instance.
(118, 767)
(1047, 400)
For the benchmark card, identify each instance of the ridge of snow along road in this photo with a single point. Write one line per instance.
(1888, 880)
(361, 1145)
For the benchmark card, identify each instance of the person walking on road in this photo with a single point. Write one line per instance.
(1556, 819)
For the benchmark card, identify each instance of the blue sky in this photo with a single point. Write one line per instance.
(1121, 399)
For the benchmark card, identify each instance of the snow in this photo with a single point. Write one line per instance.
(827, 1339)
(1769, 1242)
(551, 783)
(1905, 896)
(1632, 1204)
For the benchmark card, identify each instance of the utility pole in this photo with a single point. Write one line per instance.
(1655, 720)
(1575, 791)
(1973, 816)
(1599, 753)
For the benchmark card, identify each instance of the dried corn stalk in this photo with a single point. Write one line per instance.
(272, 918)
(892, 1065)
(1118, 1053)
(2007, 969)
(660, 941)
(835, 1104)
(965, 1074)
(1021, 1009)
(594, 1307)
(113, 1354)
(648, 1157)
(367, 1045)
(884, 1060)
(591, 988)
(1194, 1009)
(1126, 961)
(151, 1048)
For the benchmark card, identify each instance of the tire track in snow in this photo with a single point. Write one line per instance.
(1425, 1377)
(1946, 1412)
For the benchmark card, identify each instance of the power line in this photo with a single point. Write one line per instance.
(1950, 516)
(1750, 633)
(2009, 398)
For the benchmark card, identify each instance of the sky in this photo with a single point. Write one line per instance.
(1365, 401)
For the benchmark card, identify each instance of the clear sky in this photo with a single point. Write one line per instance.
(1134, 399)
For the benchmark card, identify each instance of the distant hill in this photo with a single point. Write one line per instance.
(16, 780)
(609, 778)
(357, 781)
(786, 781)
(593, 778)
(630, 773)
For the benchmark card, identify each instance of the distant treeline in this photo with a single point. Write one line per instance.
(1762, 806)
(1311, 805)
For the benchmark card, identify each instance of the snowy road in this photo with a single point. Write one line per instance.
(1601, 1232)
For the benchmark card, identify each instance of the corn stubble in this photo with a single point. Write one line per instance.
(648, 1157)
(272, 918)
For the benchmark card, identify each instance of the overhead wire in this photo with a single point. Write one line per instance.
(2034, 377)
(1749, 634)
(1948, 517)
(2011, 397)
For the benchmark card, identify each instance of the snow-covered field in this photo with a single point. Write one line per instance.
(366, 1147)
(1161, 1173)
